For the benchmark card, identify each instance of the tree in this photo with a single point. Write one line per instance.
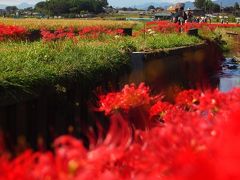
(216, 8)
(206, 5)
(236, 6)
(59, 7)
(41, 7)
(30, 9)
(150, 7)
(63, 7)
(199, 4)
(103, 3)
(11, 9)
(229, 9)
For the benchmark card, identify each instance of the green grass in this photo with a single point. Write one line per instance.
(225, 42)
(170, 41)
(25, 65)
(234, 29)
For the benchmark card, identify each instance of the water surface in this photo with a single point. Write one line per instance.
(229, 76)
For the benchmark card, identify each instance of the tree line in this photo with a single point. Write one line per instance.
(66, 7)
(211, 6)
(60, 7)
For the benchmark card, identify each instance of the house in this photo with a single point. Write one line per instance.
(237, 20)
(198, 12)
(131, 12)
(110, 10)
(163, 16)
(2, 12)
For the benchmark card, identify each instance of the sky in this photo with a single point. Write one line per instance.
(115, 3)
(15, 2)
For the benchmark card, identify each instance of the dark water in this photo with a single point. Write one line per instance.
(229, 76)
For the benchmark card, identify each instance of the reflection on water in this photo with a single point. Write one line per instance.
(229, 76)
(202, 68)
(178, 69)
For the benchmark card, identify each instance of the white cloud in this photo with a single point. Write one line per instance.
(15, 2)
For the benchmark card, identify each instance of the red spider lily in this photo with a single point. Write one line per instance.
(61, 33)
(130, 97)
(92, 32)
(160, 109)
(188, 99)
(12, 32)
(169, 27)
(132, 101)
(188, 145)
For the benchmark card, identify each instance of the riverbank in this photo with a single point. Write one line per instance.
(67, 103)
(26, 67)
(227, 39)
(50, 86)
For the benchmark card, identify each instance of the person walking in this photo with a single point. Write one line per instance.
(189, 15)
(180, 16)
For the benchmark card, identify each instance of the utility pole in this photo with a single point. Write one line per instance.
(205, 6)
(48, 8)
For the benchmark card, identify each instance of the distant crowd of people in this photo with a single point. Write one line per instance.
(180, 16)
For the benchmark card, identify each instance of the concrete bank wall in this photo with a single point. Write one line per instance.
(187, 67)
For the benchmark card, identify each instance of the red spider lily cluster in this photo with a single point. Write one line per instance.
(95, 32)
(61, 33)
(12, 32)
(170, 27)
(92, 32)
(129, 97)
(197, 137)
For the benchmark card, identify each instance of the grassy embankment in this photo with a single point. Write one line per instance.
(226, 42)
(25, 65)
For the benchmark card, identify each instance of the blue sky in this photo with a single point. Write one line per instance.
(11, 2)
(137, 2)
(111, 2)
